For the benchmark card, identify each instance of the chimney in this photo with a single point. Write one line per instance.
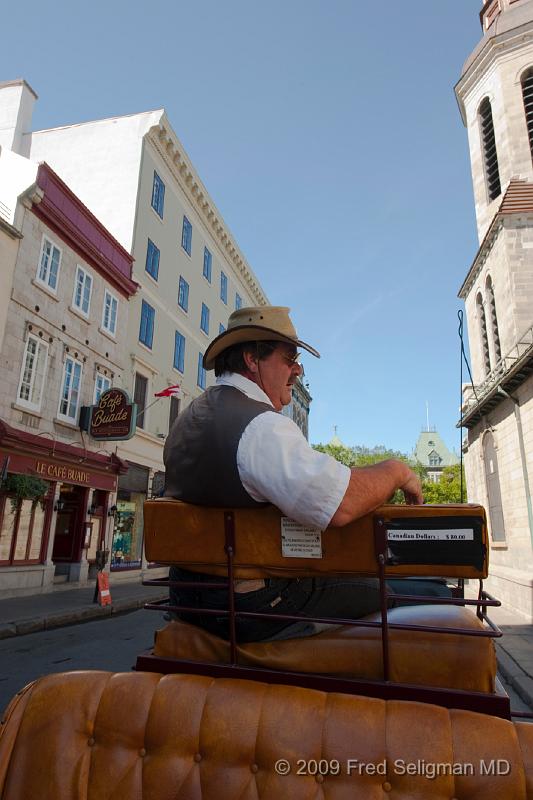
(16, 108)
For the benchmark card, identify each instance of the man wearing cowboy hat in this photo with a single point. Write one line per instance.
(231, 447)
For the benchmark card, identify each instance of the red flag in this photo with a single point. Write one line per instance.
(170, 391)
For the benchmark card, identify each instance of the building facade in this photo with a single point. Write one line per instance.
(63, 345)
(495, 95)
(133, 174)
(433, 454)
(298, 408)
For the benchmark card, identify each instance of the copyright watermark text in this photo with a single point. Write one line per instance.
(426, 769)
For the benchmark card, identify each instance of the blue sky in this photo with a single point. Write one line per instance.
(329, 136)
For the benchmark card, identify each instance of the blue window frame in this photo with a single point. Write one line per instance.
(223, 287)
(146, 330)
(238, 301)
(183, 294)
(204, 320)
(152, 260)
(201, 372)
(221, 329)
(179, 352)
(186, 235)
(208, 259)
(158, 195)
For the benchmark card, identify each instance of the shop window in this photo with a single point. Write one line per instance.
(70, 391)
(126, 549)
(49, 263)
(139, 396)
(81, 299)
(21, 531)
(33, 372)
(126, 552)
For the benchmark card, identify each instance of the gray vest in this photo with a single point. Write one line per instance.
(201, 449)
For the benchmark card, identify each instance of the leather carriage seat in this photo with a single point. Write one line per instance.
(142, 735)
(193, 537)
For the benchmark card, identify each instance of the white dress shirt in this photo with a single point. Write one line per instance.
(277, 465)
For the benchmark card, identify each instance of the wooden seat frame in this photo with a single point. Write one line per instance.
(496, 704)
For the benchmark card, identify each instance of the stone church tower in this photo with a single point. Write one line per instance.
(495, 95)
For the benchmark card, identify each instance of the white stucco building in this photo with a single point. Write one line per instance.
(134, 175)
(495, 95)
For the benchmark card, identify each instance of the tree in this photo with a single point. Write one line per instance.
(448, 487)
(446, 490)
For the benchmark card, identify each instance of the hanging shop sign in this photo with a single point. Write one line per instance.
(113, 418)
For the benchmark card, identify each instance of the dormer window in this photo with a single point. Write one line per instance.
(434, 459)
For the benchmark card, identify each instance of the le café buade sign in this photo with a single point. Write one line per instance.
(113, 417)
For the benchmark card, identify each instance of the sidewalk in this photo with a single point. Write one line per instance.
(515, 652)
(21, 615)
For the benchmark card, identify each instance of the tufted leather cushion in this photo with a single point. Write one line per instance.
(464, 662)
(142, 736)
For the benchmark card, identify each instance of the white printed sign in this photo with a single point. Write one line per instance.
(299, 541)
(442, 535)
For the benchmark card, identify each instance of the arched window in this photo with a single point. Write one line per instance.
(527, 95)
(490, 155)
(492, 479)
(483, 333)
(493, 320)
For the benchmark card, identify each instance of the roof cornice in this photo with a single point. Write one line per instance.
(56, 205)
(167, 144)
(516, 202)
(492, 48)
(481, 256)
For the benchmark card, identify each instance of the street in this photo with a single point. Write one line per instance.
(109, 644)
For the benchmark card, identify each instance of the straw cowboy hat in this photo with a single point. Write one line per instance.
(256, 324)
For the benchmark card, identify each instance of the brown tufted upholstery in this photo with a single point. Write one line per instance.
(141, 736)
(356, 652)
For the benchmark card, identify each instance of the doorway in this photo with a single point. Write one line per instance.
(70, 516)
